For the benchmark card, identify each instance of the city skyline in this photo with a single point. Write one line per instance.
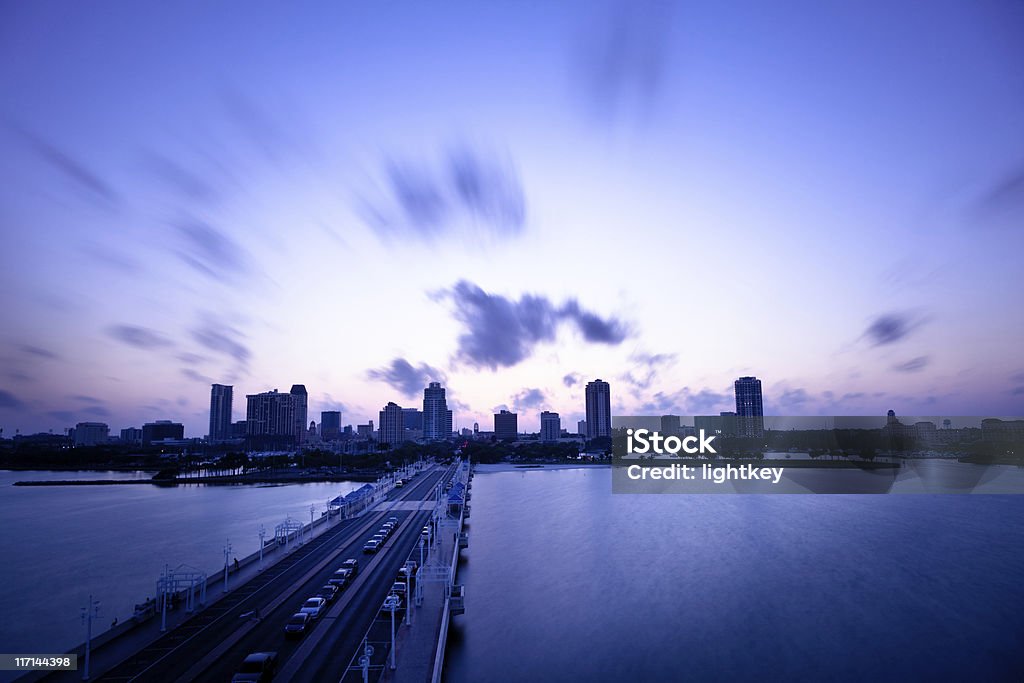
(669, 198)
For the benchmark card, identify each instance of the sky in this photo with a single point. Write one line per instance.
(512, 199)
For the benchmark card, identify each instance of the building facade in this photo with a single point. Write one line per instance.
(392, 425)
(301, 399)
(599, 409)
(270, 421)
(437, 419)
(220, 412)
(749, 407)
(550, 426)
(506, 426)
(330, 425)
(91, 434)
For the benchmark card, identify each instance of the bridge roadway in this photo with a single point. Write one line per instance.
(211, 645)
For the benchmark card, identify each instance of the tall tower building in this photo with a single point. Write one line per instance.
(550, 426)
(220, 412)
(749, 407)
(270, 420)
(392, 425)
(301, 406)
(506, 425)
(330, 425)
(599, 409)
(437, 419)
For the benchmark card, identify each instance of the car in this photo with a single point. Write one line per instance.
(257, 667)
(407, 572)
(340, 578)
(399, 484)
(393, 520)
(352, 564)
(371, 546)
(297, 625)
(379, 537)
(390, 526)
(314, 607)
(329, 592)
(398, 588)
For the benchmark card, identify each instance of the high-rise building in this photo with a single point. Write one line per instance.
(550, 426)
(392, 426)
(749, 407)
(330, 425)
(270, 421)
(669, 425)
(301, 408)
(91, 434)
(220, 412)
(132, 435)
(365, 431)
(581, 428)
(437, 419)
(161, 430)
(506, 425)
(599, 409)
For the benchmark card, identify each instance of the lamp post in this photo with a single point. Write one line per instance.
(312, 509)
(391, 604)
(263, 533)
(89, 613)
(227, 554)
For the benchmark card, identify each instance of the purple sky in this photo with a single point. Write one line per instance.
(512, 198)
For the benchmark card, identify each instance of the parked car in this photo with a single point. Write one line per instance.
(351, 564)
(257, 667)
(379, 537)
(393, 520)
(328, 592)
(297, 625)
(398, 588)
(314, 607)
(390, 526)
(371, 546)
(340, 578)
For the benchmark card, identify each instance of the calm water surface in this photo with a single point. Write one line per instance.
(62, 543)
(566, 581)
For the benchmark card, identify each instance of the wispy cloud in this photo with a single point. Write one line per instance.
(528, 399)
(80, 175)
(222, 339)
(37, 351)
(139, 337)
(501, 332)
(210, 251)
(913, 365)
(9, 401)
(890, 328)
(410, 380)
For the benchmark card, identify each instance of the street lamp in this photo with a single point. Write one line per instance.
(391, 604)
(263, 533)
(227, 554)
(88, 614)
(312, 509)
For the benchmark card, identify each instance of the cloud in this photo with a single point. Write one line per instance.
(424, 201)
(501, 332)
(139, 337)
(1005, 196)
(572, 379)
(189, 184)
(529, 398)
(37, 351)
(196, 376)
(890, 328)
(97, 411)
(9, 401)
(793, 398)
(1017, 377)
(405, 377)
(210, 251)
(221, 339)
(84, 399)
(623, 60)
(1017, 391)
(78, 173)
(912, 365)
(63, 415)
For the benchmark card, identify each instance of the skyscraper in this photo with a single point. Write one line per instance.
(437, 419)
(220, 412)
(749, 408)
(550, 426)
(506, 425)
(330, 425)
(669, 425)
(599, 409)
(392, 425)
(270, 420)
(301, 406)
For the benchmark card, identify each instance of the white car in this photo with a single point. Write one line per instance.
(371, 546)
(314, 607)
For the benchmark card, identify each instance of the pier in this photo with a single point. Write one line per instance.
(201, 626)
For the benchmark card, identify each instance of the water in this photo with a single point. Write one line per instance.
(63, 543)
(566, 581)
